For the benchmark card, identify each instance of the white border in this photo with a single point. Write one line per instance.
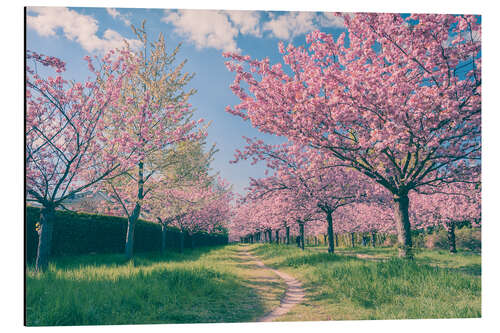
(12, 162)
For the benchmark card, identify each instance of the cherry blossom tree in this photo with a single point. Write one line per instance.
(187, 169)
(274, 210)
(151, 118)
(370, 217)
(199, 207)
(63, 121)
(398, 99)
(308, 176)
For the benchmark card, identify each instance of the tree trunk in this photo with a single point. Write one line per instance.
(266, 236)
(277, 236)
(324, 238)
(129, 241)
(336, 240)
(270, 236)
(301, 230)
(181, 247)
(163, 238)
(287, 235)
(352, 239)
(331, 245)
(374, 238)
(45, 232)
(401, 204)
(451, 237)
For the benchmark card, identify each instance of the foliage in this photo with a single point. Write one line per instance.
(397, 98)
(468, 239)
(80, 233)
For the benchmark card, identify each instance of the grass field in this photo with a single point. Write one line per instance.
(379, 286)
(200, 286)
(219, 284)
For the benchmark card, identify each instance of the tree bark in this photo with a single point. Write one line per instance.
(270, 236)
(45, 232)
(352, 239)
(287, 235)
(181, 247)
(301, 230)
(374, 238)
(163, 238)
(331, 245)
(401, 204)
(451, 237)
(277, 236)
(336, 240)
(129, 242)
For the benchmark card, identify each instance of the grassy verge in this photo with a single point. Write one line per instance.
(203, 285)
(345, 287)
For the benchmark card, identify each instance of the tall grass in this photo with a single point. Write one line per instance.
(218, 284)
(346, 287)
(198, 286)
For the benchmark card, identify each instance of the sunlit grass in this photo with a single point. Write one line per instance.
(435, 285)
(219, 284)
(203, 285)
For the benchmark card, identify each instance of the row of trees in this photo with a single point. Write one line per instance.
(383, 127)
(126, 132)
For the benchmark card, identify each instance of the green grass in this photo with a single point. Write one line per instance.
(220, 284)
(344, 287)
(464, 261)
(200, 286)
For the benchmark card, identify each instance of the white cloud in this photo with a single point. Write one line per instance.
(219, 29)
(205, 28)
(331, 20)
(291, 24)
(116, 15)
(246, 21)
(76, 27)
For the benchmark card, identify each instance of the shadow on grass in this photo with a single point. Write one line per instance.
(141, 259)
(313, 259)
(472, 269)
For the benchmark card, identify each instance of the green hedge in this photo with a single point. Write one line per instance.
(80, 233)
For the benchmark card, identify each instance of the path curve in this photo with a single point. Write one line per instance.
(294, 293)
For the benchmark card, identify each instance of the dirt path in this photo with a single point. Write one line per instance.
(294, 293)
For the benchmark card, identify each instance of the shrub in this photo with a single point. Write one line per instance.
(437, 240)
(81, 233)
(466, 239)
(469, 239)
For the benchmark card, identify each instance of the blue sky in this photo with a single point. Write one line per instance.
(72, 33)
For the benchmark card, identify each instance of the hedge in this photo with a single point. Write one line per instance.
(81, 233)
